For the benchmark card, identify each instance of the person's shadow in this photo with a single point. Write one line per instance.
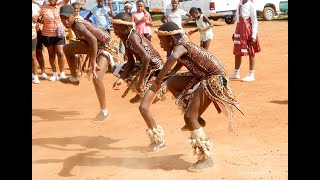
(50, 115)
(99, 142)
(169, 162)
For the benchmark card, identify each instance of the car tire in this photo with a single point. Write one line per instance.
(268, 13)
(230, 19)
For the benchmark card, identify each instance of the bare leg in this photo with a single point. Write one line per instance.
(70, 50)
(176, 84)
(198, 105)
(199, 141)
(206, 44)
(144, 109)
(98, 82)
(52, 57)
(237, 62)
(40, 60)
(251, 62)
(34, 63)
(61, 57)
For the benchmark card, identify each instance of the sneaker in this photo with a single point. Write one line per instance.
(36, 79)
(135, 99)
(201, 165)
(155, 147)
(62, 75)
(68, 81)
(234, 76)
(44, 76)
(248, 78)
(201, 121)
(32, 76)
(101, 117)
(54, 77)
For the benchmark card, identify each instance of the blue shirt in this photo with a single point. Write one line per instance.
(102, 16)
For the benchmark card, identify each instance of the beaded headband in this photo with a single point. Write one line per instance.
(119, 21)
(168, 33)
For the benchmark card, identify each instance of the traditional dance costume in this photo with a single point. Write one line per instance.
(211, 76)
(106, 45)
(155, 65)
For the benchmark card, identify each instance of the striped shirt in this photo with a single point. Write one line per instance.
(50, 20)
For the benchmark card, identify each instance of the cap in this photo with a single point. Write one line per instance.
(66, 10)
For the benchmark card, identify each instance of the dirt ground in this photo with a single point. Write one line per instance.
(66, 144)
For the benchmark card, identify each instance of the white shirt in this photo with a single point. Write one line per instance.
(248, 10)
(175, 16)
(35, 11)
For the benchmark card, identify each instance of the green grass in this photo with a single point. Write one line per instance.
(156, 17)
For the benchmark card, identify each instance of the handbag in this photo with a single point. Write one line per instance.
(61, 33)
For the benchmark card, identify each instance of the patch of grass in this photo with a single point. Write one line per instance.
(156, 17)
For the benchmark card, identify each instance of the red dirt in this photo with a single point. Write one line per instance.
(66, 144)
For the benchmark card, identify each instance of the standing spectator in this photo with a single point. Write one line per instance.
(50, 19)
(143, 20)
(245, 38)
(35, 14)
(175, 15)
(204, 26)
(102, 14)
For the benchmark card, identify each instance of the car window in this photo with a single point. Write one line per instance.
(121, 7)
(114, 6)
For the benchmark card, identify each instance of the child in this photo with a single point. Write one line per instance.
(127, 8)
(214, 87)
(146, 65)
(35, 14)
(203, 26)
(102, 13)
(143, 20)
(245, 38)
(97, 43)
(175, 15)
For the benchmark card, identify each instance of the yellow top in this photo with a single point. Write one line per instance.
(71, 35)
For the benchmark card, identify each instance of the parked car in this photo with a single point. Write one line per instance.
(117, 7)
(284, 7)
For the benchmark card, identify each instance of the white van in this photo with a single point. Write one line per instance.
(214, 9)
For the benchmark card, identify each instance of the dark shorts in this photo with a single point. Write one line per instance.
(39, 39)
(34, 44)
(52, 41)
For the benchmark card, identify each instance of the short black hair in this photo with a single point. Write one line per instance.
(169, 26)
(195, 9)
(140, 1)
(76, 4)
(123, 16)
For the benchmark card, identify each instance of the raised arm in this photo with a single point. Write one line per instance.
(111, 14)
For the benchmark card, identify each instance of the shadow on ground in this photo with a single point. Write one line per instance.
(170, 162)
